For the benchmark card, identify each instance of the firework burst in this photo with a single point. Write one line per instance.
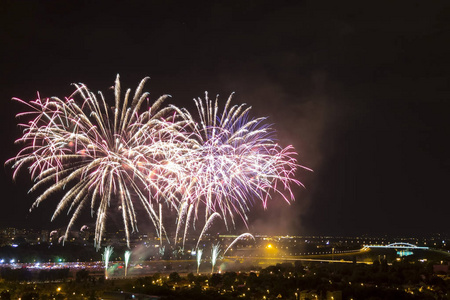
(233, 160)
(133, 154)
(99, 154)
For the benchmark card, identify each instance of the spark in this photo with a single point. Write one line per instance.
(199, 258)
(106, 256)
(127, 256)
(215, 251)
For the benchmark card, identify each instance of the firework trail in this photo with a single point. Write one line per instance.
(99, 154)
(206, 227)
(242, 236)
(106, 256)
(199, 258)
(181, 215)
(188, 217)
(215, 251)
(127, 259)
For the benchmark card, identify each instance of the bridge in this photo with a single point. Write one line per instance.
(396, 246)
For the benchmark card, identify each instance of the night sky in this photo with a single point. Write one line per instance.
(361, 89)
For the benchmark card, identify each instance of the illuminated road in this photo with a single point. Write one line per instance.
(328, 257)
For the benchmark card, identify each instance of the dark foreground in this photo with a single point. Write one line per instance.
(300, 280)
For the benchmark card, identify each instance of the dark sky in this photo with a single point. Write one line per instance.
(362, 90)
